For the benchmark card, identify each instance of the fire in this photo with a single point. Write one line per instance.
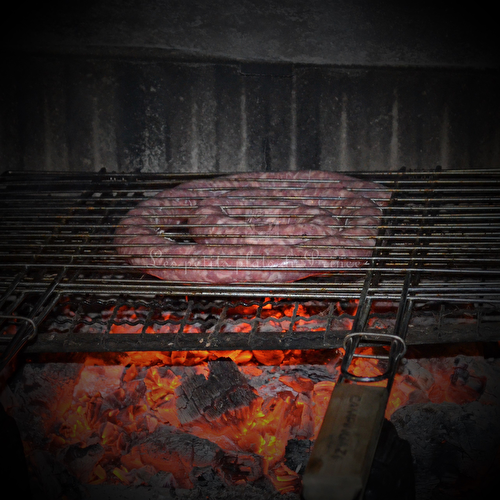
(113, 404)
(127, 406)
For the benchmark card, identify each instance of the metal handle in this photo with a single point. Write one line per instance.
(17, 342)
(351, 343)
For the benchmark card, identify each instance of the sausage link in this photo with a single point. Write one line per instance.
(270, 227)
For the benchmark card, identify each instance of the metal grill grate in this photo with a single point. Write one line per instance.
(437, 250)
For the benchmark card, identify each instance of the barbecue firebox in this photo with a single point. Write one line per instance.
(436, 261)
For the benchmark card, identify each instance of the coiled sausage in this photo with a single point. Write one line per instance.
(267, 227)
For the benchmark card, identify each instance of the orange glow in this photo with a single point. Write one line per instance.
(299, 384)
(121, 399)
(269, 357)
(284, 479)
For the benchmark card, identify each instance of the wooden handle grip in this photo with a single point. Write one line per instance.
(341, 459)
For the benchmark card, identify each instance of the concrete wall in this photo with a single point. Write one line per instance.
(334, 32)
(223, 86)
(85, 113)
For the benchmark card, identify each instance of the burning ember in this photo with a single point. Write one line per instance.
(177, 419)
(187, 419)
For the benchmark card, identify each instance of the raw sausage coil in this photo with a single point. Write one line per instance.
(254, 227)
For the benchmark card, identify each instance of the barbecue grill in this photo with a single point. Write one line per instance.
(65, 288)
(437, 249)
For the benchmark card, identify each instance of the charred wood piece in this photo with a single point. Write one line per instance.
(225, 390)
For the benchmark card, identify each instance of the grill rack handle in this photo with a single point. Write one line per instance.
(342, 455)
(23, 336)
(397, 349)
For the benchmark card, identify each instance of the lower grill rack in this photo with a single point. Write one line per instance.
(83, 324)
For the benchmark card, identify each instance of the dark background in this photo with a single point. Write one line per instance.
(222, 86)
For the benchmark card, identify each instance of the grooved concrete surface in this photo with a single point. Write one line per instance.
(222, 86)
(85, 113)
